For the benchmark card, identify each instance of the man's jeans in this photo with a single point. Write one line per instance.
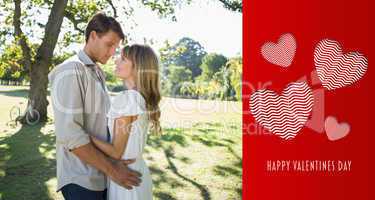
(76, 192)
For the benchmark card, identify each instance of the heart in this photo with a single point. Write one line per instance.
(282, 53)
(334, 130)
(283, 115)
(335, 69)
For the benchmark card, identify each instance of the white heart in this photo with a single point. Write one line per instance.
(282, 52)
(335, 69)
(283, 115)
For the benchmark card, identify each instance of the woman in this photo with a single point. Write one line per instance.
(130, 115)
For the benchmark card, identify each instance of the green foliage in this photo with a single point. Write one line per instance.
(78, 13)
(176, 77)
(234, 5)
(114, 84)
(109, 72)
(224, 84)
(219, 77)
(235, 75)
(179, 74)
(165, 8)
(186, 52)
(10, 59)
(188, 89)
(211, 64)
(225, 91)
(57, 59)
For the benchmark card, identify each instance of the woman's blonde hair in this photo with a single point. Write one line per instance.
(146, 63)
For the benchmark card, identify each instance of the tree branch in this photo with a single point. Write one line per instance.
(232, 5)
(71, 18)
(113, 8)
(52, 30)
(26, 61)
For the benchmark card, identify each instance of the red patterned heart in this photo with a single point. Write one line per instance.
(335, 69)
(283, 115)
(282, 53)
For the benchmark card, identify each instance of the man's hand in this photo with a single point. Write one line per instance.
(117, 170)
(124, 176)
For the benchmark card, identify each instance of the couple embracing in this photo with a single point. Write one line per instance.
(99, 140)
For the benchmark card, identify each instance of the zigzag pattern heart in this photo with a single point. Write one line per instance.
(282, 52)
(335, 69)
(283, 115)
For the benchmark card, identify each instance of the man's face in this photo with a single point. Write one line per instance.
(104, 45)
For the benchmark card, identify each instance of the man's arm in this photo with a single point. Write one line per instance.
(117, 170)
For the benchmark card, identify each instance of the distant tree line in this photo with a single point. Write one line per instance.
(189, 71)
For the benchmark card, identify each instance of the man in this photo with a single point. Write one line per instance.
(80, 103)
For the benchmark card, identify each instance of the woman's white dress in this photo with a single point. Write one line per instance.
(130, 103)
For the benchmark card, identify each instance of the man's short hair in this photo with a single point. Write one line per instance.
(101, 24)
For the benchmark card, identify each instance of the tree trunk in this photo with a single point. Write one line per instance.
(38, 88)
(40, 68)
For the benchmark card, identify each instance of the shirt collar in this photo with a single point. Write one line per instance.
(85, 58)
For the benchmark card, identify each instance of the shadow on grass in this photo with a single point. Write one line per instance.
(207, 142)
(227, 171)
(164, 196)
(15, 93)
(210, 139)
(169, 135)
(203, 189)
(173, 137)
(26, 170)
(208, 136)
(18, 93)
(159, 177)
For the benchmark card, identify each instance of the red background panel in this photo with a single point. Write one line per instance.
(347, 22)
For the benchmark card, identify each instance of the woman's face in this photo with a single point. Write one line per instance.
(124, 68)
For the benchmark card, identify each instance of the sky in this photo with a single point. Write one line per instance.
(217, 29)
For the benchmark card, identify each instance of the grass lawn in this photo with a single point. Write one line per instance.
(199, 155)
